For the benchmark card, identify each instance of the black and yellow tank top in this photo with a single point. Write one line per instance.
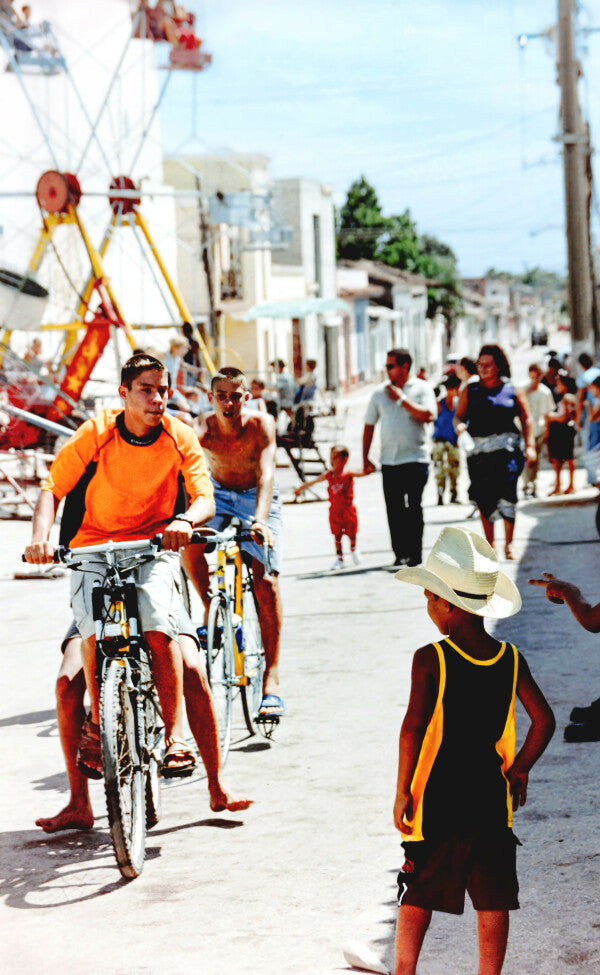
(459, 783)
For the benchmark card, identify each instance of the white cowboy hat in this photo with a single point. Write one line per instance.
(463, 569)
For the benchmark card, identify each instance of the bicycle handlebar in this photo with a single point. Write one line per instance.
(202, 536)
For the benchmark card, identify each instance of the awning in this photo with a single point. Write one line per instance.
(296, 309)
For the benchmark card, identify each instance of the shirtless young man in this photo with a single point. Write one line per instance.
(239, 446)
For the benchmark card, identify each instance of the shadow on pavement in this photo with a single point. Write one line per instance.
(30, 717)
(42, 871)
(215, 822)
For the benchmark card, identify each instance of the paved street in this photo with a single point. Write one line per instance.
(313, 862)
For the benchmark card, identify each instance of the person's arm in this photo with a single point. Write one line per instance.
(40, 550)
(420, 413)
(423, 691)
(362, 473)
(264, 484)
(461, 411)
(307, 484)
(559, 591)
(538, 736)
(580, 406)
(527, 428)
(368, 432)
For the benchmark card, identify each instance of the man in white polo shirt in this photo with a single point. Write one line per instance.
(405, 406)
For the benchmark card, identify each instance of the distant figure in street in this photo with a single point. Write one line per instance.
(488, 409)
(561, 432)
(540, 402)
(404, 406)
(343, 519)
(307, 384)
(256, 401)
(466, 370)
(285, 386)
(444, 452)
(459, 780)
(550, 377)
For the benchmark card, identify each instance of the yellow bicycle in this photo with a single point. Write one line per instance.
(235, 657)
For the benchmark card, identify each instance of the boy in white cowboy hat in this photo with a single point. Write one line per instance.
(458, 778)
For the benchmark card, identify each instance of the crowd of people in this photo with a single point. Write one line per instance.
(120, 475)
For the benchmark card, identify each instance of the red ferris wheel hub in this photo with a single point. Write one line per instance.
(128, 203)
(55, 191)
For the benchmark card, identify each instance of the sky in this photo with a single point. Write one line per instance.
(434, 102)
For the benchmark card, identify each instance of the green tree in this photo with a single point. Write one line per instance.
(360, 223)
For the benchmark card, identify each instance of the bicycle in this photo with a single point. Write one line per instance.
(235, 656)
(131, 726)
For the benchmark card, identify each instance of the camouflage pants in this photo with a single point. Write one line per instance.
(446, 464)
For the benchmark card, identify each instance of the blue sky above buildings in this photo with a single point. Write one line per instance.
(433, 101)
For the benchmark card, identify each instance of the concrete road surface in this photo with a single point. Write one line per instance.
(313, 862)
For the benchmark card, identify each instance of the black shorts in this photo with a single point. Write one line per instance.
(481, 863)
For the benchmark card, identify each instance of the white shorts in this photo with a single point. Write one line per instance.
(159, 594)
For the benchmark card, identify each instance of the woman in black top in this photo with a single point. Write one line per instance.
(488, 410)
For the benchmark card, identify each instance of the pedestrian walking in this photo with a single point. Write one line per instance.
(540, 402)
(459, 780)
(488, 409)
(343, 519)
(561, 432)
(404, 406)
(444, 452)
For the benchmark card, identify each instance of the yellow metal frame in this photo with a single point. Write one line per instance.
(98, 275)
(232, 557)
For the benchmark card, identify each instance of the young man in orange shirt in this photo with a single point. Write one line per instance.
(121, 476)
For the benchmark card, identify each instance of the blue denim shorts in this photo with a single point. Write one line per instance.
(242, 505)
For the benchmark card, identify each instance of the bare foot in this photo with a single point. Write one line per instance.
(71, 817)
(570, 489)
(221, 800)
(508, 553)
(556, 491)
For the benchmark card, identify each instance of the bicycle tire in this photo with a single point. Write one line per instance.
(254, 654)
(220, 668)
(155, 739)
(123, 774)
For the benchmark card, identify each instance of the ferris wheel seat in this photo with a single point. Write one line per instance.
(22, 301)
(189, 59)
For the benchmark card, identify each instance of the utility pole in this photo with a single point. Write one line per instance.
(577, 178)
(207, 263)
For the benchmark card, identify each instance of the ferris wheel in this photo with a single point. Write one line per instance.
(83, 261)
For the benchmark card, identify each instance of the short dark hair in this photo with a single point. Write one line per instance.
(402, 357)
(451, 381)
(585, 360)
(499, 356)
(140, 362)
(311, 363)
(259, 382)
(230, 373)
(469, 365)
(340, 448)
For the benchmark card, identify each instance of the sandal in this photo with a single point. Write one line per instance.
(89, 755)
(179, 760)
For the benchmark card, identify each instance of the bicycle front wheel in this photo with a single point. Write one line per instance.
(220, 667)
(254, 655)
(123, 774)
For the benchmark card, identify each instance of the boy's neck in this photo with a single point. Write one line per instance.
(468, 632)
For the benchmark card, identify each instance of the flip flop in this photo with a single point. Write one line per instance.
(89, 753)
(359, 955)
(177, 748)
(270, 701)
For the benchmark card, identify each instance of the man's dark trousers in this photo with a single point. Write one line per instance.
(403, 486)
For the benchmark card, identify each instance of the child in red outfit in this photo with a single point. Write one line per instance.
(343, 519)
